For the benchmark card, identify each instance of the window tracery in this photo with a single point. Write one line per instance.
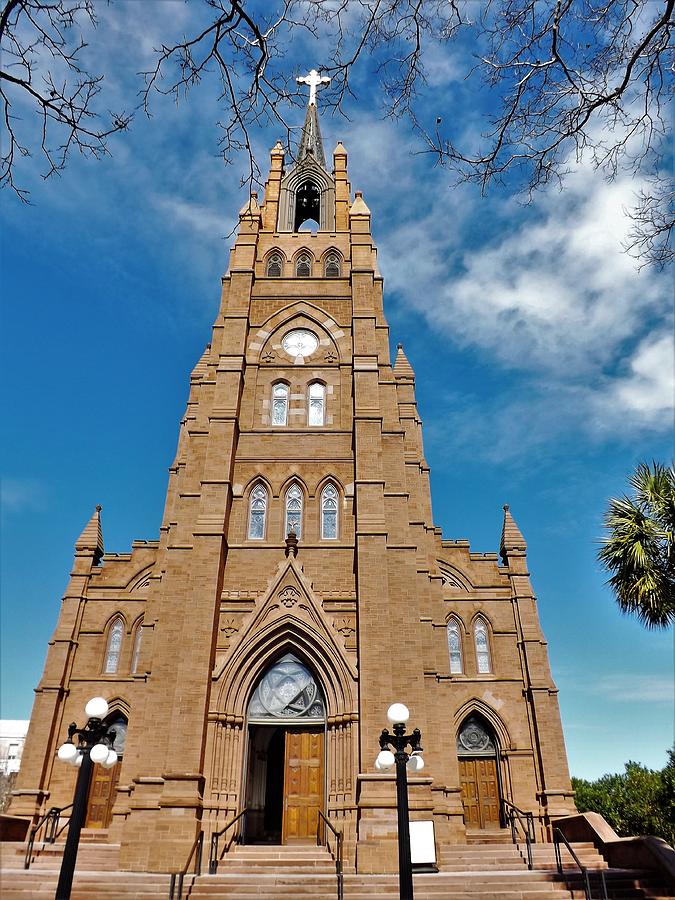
(332, 266)
(317, 403)
(257, 513)
(329, 513)
(303, 265)
(288, 690)
(275, 265)
(455, 647)
(481, 640)
(280, 403)
(114, 647)
(293, 517)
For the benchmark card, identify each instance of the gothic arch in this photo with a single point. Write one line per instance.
(331, 336)
(308, 171)
(478, 707)
(329, 479)
(119, 705)
(275, 251)
(453, 578)
(139, 579)
(258, 652)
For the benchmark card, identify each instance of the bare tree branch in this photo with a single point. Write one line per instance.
(569, 80)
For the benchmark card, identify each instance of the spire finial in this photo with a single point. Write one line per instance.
(313, 81)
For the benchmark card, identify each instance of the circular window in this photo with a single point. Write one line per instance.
(300, 343)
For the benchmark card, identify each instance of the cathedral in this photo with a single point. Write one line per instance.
(299, 585)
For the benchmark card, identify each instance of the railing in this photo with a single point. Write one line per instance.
(177, 878)
(51, 820)
(214, 858)
(516, 817)
(338, 851)
(559, 837)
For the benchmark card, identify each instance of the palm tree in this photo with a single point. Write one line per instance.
(639, 549)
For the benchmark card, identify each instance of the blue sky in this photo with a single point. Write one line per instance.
(543, 358)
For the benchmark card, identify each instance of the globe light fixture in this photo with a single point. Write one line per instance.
(415, 763)
(99, 753)
(405, 762)
(94, 745)
(110, 761)
(385, 760)
(398, 714)
(97, 708)
(67, 752)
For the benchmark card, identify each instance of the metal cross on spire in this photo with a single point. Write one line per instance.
(314, 81)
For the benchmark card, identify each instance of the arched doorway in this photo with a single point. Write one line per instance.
(103, 787)
(478, 773)
(286, 756)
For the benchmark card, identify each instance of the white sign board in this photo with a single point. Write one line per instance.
(422, 843)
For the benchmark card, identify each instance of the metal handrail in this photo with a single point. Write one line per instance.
(215, 836)
(511, 814)
(558, 836)
(51, 817)
(177, 878)
(338, 852)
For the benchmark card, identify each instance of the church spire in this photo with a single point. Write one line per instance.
(310, 142)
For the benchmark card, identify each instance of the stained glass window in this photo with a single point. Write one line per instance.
(329, 513)
(287, 691)
(303, 265)
(294, 510)
(112, 656)
(275, 265)
(332, 266)
(480, 634)
(455, 647)
(475, 738)
(257, 513)
(317, 394)
(119, 725)
(137, 648)
(280, 404)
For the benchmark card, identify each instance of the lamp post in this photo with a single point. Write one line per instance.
(398, 715)
(94, 745)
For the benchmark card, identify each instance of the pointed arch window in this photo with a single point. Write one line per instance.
(279, 403)
(317, 403)
(332, 266)
(257, 515)
(482, 642)
(293, 518)
(303, 265)
(114, 647)
(136, 653)
(455, 647)
(275, 265)
(329, 513)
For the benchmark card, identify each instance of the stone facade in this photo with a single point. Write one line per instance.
(178, 633)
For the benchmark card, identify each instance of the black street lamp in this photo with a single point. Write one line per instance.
(94, 745)
(398, 716)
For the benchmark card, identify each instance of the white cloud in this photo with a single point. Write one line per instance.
(21, 495)
(554, 296)
(644, 688)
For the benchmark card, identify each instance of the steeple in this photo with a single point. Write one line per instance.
(310, 142)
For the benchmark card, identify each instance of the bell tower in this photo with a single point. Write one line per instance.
(299, 585)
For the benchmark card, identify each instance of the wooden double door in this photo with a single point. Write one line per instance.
(480, 791)
(102, 794)
(303, 784)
